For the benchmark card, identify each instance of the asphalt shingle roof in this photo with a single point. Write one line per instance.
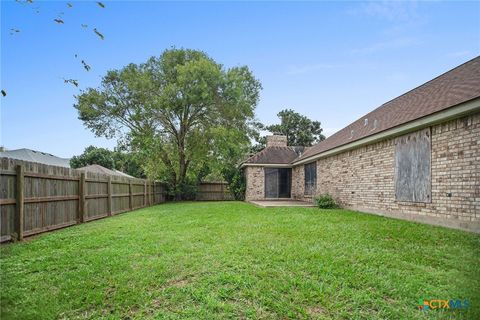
(95, 168)
(36, 156)
(275, 155)
(454, 87)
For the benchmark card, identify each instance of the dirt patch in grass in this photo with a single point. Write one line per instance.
(177, 283)
(315, 311)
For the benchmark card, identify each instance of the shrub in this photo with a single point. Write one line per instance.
(325, 201)
(185, 191)
(236, 181)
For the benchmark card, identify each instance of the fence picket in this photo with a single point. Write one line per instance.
(20, 197)
(36, 198)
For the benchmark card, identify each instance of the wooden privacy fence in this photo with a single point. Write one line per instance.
(35, 197)
(213, 191)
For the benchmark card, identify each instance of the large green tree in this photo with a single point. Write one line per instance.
(300, 130)
(174, 111)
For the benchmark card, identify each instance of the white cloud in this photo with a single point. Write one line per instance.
(399, 16)
(390, 10)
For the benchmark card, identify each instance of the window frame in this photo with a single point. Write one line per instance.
(413, 167)
(310, 178)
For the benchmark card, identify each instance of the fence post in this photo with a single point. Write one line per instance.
(151, 195)
(153, 192)
(81, 198)
(20, 197)
(145, 193)
(130, 194)
(149, 202)
(109, 203)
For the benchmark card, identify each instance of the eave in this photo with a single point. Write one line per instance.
(270, 165)
(463, 109)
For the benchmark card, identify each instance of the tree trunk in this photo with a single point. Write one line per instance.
(182, 169)
(183, 163)
(181, 179)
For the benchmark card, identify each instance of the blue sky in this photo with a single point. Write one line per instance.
(331, 61)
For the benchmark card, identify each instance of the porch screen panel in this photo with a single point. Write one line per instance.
(271, 183)
(284, 182)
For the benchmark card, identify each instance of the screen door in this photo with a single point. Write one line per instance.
(278, 182)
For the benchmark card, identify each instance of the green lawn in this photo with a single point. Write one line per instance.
(233, 260)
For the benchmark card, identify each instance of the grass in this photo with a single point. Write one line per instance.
(234, 260)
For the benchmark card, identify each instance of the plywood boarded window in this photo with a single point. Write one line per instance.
(310, 170)
(413, 167)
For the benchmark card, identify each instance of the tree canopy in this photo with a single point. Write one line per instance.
(300, 130)
(182, 112)
(94, 155)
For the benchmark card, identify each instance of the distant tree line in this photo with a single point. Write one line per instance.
(118, 160)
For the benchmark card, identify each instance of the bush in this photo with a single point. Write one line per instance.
(236, 181)
(185, 191)
(325, 201)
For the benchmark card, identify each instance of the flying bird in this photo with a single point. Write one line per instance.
(86, 66)
(71, 81)
(98, 33)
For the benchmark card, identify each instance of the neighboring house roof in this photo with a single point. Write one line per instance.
(36, 156)
(275, 155)
(95, 168)
(452, 88)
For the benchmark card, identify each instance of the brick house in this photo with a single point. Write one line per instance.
(416, 157)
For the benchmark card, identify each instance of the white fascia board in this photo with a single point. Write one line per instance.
(469, 107)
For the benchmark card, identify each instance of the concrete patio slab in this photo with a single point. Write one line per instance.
(281, 203)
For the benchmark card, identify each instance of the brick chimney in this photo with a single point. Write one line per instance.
(276, 141)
